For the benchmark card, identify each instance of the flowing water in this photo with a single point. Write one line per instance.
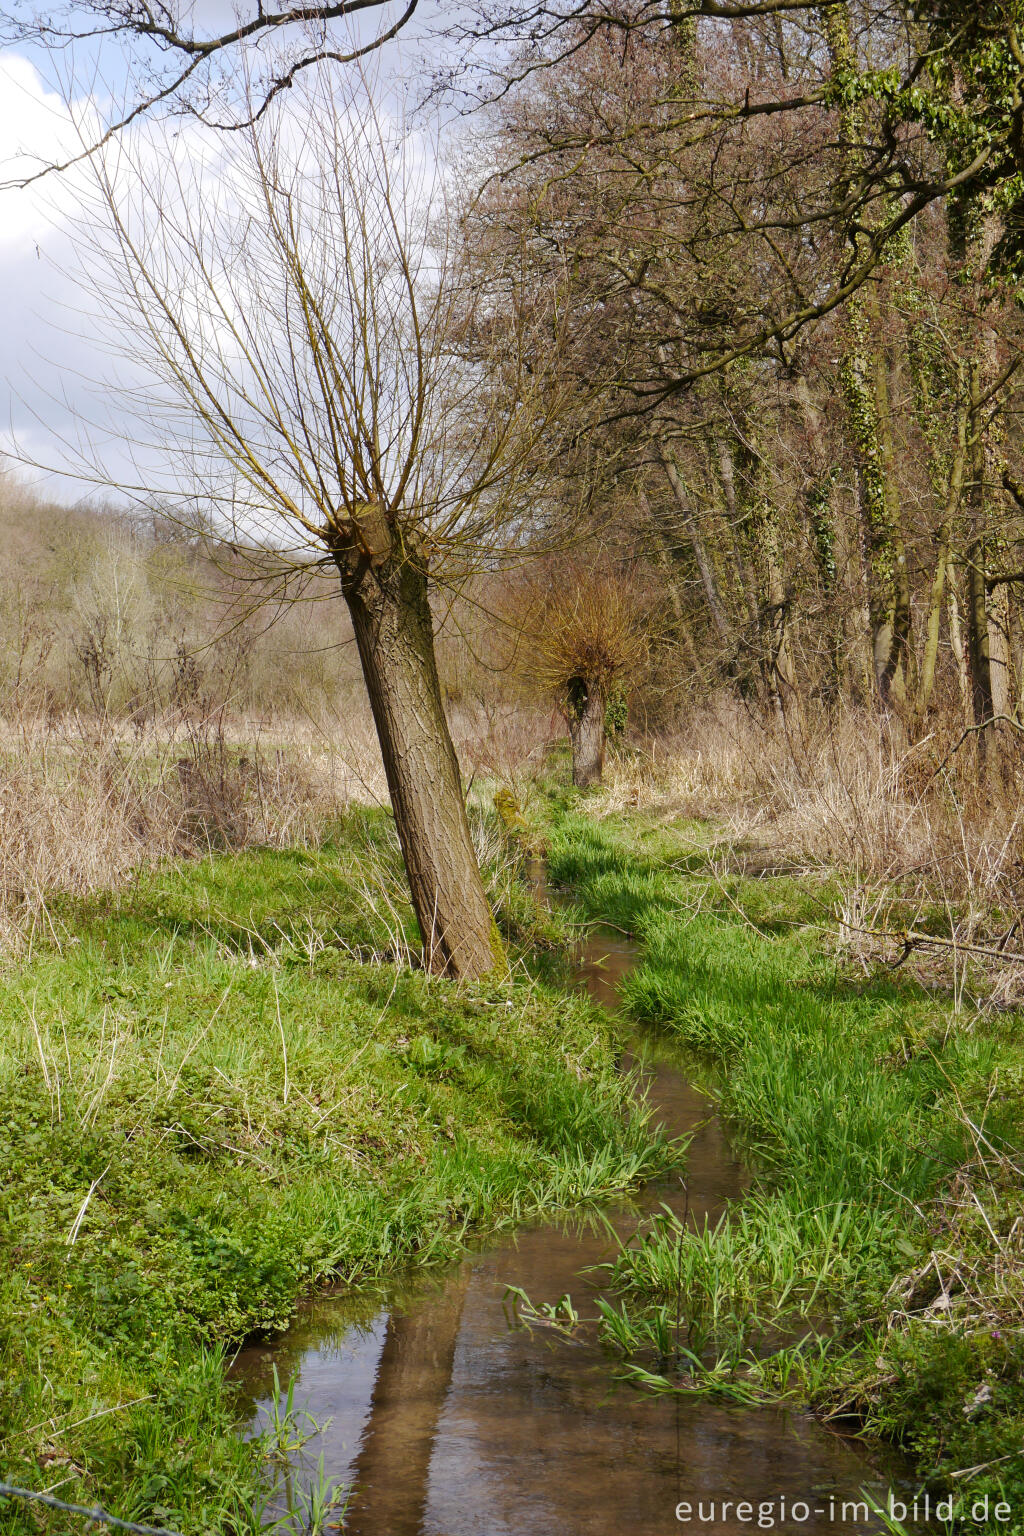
(451, 1419)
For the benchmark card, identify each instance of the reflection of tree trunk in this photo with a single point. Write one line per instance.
(387, 598)
(586, 731)
(392, 1473)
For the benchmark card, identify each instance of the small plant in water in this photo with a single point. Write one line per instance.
(322, 1507)
(284, 1436)
(560, 1315)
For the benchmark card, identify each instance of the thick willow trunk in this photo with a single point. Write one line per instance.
(586, 731)
(388, 600)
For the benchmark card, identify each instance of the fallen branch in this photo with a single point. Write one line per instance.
(912, 941)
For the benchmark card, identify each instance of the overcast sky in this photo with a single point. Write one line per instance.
(37, 350)
(50, 364)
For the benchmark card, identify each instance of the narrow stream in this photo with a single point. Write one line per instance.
(450, 1420)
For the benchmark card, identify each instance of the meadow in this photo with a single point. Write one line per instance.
(223, 1086)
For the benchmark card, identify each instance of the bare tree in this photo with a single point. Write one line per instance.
(306, 320)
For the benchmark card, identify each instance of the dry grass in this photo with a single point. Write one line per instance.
(912, 829)
(85, 802)
(82, 809)
(851, 791)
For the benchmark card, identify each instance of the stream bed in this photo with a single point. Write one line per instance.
(450, 1419)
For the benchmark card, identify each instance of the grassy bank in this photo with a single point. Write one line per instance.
(877, 1268)
(217, 1088)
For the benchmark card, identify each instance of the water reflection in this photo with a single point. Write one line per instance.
(452, 1421)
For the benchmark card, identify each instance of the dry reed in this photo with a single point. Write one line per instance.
(87, 801)
(908, 824)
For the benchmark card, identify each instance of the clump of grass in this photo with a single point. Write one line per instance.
(877, 1267)
(204, 1112)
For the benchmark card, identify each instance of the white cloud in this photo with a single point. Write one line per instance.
(37, 127)
(55, 351)
(36, 247)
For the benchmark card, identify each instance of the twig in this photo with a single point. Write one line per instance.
(972, 730)
(76, 1225)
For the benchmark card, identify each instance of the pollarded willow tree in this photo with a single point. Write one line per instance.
(582, 634)
(323, 391)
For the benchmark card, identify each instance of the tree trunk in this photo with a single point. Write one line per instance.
(387, 597)
(897, 679)
(979, 635)
(882, 542)
(781, 675)
(746, 588)
(1017, 651)
(978, 640)
(864, 382)
(956, 640)
(999, 647)
(819, 498)
(933, 623)
(748, 497)
(586, 732)
(700, 554)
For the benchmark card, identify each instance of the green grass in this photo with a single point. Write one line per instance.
(211, 1099)
(887, 1129)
